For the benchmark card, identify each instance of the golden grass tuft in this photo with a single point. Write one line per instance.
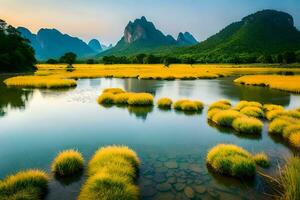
(272, 114)
(270, 107)
(279, 124)
(211, 113)
(253, 111)
(188, 105)
(108, 187)
(294, 139)
(140, 99)
(290, 179)
(225, 117)
(242, 104)
(113, 90)
(262, 160)
(164, 103)
(112, 172)
(30, 184)
(285, 83)
(290, 129)
(248, 125)
(67, 163)
(222, 104)
(229, 159)
(106, 98)
(122, 98)
(40, 82)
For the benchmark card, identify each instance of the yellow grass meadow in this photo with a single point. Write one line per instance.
(55, 76)
(285, 83)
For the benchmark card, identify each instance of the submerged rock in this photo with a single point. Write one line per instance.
(164, 187)
(189, 192)
(148, 191)
(171, 165)
(199, 189)
(179, 186)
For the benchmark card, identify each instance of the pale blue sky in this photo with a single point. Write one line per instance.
(106, 19)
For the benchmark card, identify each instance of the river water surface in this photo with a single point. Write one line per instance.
(36, 124)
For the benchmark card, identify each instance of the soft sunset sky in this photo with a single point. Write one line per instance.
(106, 19)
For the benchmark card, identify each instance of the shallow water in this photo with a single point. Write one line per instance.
(37, 124)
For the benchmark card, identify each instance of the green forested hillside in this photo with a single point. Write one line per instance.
(266, 32)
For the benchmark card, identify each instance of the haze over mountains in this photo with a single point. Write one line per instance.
(51, 43)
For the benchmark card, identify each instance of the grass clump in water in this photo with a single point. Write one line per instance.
(252, 111)
(222, 105)
(211, 113)
(240, 105)
(27, 185)
(188, 105)
(40, 82)
(231, 160)
(164, 103)
(262, 160)
(121, 98)
(67, 163)
(108, 187)
(294, 139)
(113, 90)
(290, 180)
(270, 107)
(248, 125)
(226, 117)
(106, 98)
(140, 99)
(279, 124)
(112, 173)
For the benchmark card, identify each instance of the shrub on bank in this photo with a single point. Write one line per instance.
(30, 184)
(248, 125)
(231, 160)
(164, 103)
(67, 163)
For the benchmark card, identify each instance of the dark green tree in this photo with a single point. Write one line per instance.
(16, 54)
(51, 61)
(68, 58)
(289, 57)
(151, 59)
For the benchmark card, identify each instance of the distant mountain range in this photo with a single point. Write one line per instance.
(51, 43)
(264, 32)
(141, 36)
